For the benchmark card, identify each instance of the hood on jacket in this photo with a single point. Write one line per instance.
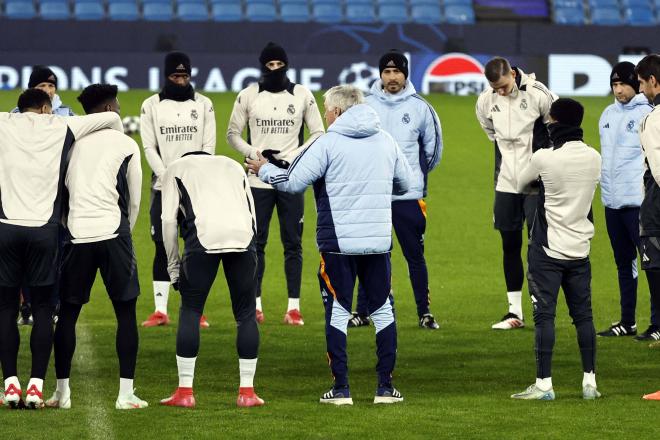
(358, 121)
(637, 101)
(56, 102)
(388, 98)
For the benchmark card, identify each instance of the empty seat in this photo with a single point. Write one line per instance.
(327, 13)
(393, 13)
(227, 12)
(20, 10)
(55, 10)
(123, 11)
(569, 4)
(199, 2)
(359, 2)
(606, 16)
(193, 12)
(391, 2)
(640, 16)
(295, 12)
(157, 12)
(458, 2)
(636, 3)
(360, 13)
(88, 10)
(569, 16)
(459, 14)
(426, 13)
(603, 4)
(260, 12)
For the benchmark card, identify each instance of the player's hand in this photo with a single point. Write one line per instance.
(270, 155)
(255, 165)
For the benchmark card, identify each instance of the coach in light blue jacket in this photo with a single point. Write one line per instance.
(355, 168)
(622, 191)
(415, 126)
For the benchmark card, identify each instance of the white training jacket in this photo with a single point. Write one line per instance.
(104, 180)
(169, 129)
(213, 194)
(517, 125)
(274, 121)
(568, 176)
(33, 152)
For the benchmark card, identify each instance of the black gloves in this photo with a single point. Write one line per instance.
(270, 155)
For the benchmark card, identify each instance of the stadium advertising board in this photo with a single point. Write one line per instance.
(453, 73)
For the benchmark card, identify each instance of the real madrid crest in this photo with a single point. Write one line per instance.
(291, 109)
(193, 114)
(631, 125)
(406, 118)
(523, 104)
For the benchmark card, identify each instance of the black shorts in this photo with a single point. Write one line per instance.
(28, 255)
(512, 210)
(115, 259)
(649, 249)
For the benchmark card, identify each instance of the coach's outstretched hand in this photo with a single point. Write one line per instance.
(255, 165)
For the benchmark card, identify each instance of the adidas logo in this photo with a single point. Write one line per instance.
(51, 78)
(645, 258)
(159, 294)
(606, 125)
(391, 64)
(495, 109)
(615, 76)
(180, 67)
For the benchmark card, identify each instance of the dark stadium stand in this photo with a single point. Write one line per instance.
(456, 12)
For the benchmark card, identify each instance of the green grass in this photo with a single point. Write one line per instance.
(456, 381)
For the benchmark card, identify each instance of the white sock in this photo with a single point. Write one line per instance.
(544, 384)
(515, 303)
(13, 380)
(63, 386)
(259, 304)
(125, 386)
(39, 383)
(247, 368)
(294, 304)
(161, 294)
(589, 379)
(186, 367)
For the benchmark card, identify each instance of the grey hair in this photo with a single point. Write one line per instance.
(343, 97)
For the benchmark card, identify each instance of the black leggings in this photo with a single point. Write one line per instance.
(653, 277)
(41, 338)
(159, 270)
(512, 261)
(197, 276)
(126, 342)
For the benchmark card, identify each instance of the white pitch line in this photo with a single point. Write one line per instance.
(98, 422)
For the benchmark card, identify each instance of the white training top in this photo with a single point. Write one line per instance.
(33, 152)
(213, 194)
(568, 177)
(274, 121)
(104, 181)
(169, 129)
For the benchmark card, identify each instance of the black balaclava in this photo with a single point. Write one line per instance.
(177, 62)
(568, 115)
(273, 80)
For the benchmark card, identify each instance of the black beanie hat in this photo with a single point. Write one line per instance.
(177, 62)
(625, 73)
(41, 74)
(567, 111)
(394, 58)
(273, 52)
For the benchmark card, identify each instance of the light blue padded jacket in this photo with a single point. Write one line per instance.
(355, 168)
(415, 126)
(621, 151)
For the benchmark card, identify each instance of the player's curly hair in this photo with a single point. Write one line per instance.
(97, 94)
(32, 99)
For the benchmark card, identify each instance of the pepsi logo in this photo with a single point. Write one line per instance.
(454, 73)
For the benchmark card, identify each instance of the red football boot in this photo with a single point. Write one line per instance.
(156, 319)
(248, 398)
(182, 397)
(293, 317)
(203, 323)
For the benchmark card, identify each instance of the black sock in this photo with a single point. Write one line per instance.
(512, 261)
(65, 338)
(127, 337)
(41, 338)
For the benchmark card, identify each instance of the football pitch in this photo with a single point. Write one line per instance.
(456, 381)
